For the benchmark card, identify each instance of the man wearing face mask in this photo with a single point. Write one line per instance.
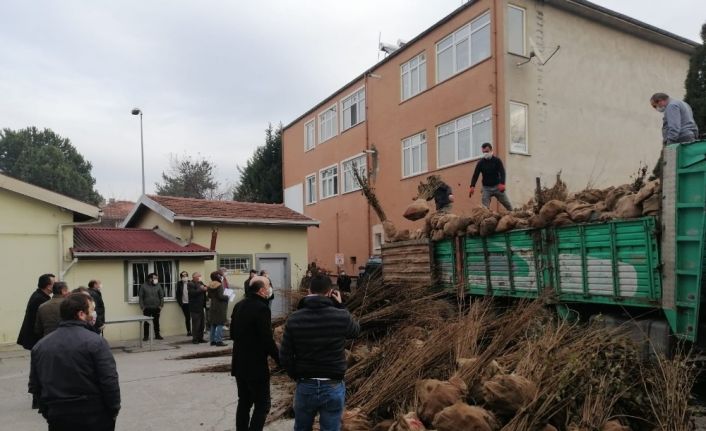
(182, 297)
(151, 296)
(251, 332)
(197, 304)
(493, 178)
(73, 372)
(94, 289)
(678, 123)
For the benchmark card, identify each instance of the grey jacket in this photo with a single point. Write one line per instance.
(151, 296)
(678, 123)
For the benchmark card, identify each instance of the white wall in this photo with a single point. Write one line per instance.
(294, 198)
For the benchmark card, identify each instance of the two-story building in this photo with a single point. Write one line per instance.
(554, 85)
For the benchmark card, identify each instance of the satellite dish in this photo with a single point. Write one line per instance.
(387, 48)
(535, 52)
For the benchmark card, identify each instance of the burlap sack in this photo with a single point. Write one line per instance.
(390, 230)
(506, 223)
(427, 228)
(463, 222)
(451, 225)
(417, 210)
(505, 394)
(599, 207)
(548, 427)
(521, 214)
(562, 219)
(590, 196)
(402, 235)
(650, 206)
(487, 226)
(579, 212)
(551, 209)
(626, 208)
(614, 195)
(461, 416)
(355, 420)
(646, 191)
(408, 422)
(437, 235)
(614, 425)
(478, 377)
(522, 224)
(434, 395)
(473, 230)
(537, 222)
(478, 214)
(384, 425)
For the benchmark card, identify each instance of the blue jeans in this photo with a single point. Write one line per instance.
(216, 333)
(327, 398)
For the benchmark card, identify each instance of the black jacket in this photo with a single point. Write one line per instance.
(344, 283)
(180, 291)
(197, 297)
(314, 340)
(493, 172)
(100, 306)
(251, 332)
(27, 338)
(441, 196)
(73, 368)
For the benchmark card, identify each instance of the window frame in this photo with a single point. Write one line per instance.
(150, 269)
(426, 154)
(333, 107)
(360, 109)
(455, 133)
(409, 72)
(452, 47)
(526, 109)
(306, 135)
(321, 182)
(249, 258)
(524, 31)
(343, 172)
(310, 200)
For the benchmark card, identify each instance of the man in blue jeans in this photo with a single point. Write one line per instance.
(313, 353)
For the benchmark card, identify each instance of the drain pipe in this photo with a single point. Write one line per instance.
(60, 235)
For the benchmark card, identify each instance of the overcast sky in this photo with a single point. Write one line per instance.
(209, 75)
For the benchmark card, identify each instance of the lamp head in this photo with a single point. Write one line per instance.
(136, 111)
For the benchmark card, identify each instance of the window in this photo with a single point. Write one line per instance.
(518, 128)
(353, 109)
(413, 76)
(137, 276)
(329, 182)
(414, 155)
(327, 124)
(460, 139)
(309, 135)
(310, 189)
(463, 48)
(516, 30)
(235, 263)
(349, 182)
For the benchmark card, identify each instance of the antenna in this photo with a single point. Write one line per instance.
(379, 40)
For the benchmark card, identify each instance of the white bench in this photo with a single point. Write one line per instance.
(141, 320)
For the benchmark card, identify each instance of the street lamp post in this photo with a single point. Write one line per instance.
(138, 111)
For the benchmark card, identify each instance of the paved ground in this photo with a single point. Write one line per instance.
(157, 392)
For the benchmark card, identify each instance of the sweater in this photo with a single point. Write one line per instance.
(493, 172)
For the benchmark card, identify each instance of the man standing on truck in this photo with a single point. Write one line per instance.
(493, 178)
(678, 123)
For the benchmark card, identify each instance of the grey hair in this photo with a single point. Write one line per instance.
(658, 97)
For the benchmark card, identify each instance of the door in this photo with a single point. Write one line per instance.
(277, 269)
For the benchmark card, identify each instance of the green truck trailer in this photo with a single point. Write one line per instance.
(647, 270)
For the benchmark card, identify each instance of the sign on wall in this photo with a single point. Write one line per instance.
(339, 259)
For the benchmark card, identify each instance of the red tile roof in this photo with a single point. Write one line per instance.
(129, 241)
(115, 212)
(231, 210)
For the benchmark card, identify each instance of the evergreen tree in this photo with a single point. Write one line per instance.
(47, 160)
(696, 83)
(261, 178)
(188, 178)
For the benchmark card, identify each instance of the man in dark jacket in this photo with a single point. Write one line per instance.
(94, 289)
(493, 178)
(443, 197)
(343, 281)
(26, 338)
(182, 297)
(197, 304)
(251, 332)
(151, 296)
(73, 372)
(48, 314)
(313, 353)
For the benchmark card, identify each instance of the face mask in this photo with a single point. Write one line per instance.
(487, 155)
(270, 291)
(661, 108)
(94, 316)
(184, 279)
(154, 282)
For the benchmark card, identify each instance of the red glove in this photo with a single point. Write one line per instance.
(470, 191)
(501, 187)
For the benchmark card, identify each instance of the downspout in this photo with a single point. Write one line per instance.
(60, 235)
(498, 56)
(191, 232)
(368, 158)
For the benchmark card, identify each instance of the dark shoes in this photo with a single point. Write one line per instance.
(196, 342)
(202, 341)
(158, 337)
(188, 334)
(145, 338)
(219, 344)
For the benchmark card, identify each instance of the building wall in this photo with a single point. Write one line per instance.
(589, 111)
(112, 274)
(345, 218)
(148, 219)
(28, 235)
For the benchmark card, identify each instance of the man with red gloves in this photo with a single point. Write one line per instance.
(493, 178)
